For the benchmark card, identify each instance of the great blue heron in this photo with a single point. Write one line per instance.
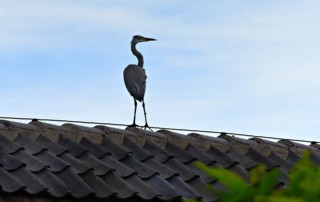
(135, 78)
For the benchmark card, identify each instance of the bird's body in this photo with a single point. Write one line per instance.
(137, 81)
(135, 78)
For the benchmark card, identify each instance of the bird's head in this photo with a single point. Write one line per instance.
(139, 38)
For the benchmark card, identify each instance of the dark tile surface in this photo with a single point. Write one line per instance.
(110, 164)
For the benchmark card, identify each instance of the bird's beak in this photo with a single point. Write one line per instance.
(149, 39)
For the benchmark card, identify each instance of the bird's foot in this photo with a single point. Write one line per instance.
(133, 125)
(146, 126)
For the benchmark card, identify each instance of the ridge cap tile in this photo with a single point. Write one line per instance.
(117, 151)
(53, 147)
(83, 128)
(156, 151)
(146, 133)
(13, 124)
(233, 139)
(209, 138)
(200, 155)
(181, 155)
(290, 143)
(109, 130)
(8, 162)
(94, 149)
(268, 142)
(44, 125)
(73, 147)
(29, 144)
(137, 151)
(8, 146)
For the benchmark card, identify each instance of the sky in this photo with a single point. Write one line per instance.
(236, 66)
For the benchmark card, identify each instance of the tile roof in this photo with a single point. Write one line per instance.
(71, 161)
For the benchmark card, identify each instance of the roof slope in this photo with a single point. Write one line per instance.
(52, 162)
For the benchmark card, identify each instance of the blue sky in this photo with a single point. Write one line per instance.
(236, 66)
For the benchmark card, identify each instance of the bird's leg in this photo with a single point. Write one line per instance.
(145, 116)
(134, 116)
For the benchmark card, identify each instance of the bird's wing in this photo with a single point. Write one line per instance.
(135, 81)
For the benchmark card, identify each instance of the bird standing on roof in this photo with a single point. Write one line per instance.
(135, 78)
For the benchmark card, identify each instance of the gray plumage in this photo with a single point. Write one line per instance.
(135, 78)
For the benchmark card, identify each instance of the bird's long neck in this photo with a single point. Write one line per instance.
(137, 54)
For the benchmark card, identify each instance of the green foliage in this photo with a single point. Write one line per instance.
(304, 183)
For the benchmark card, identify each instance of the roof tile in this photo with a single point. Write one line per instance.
(74, 161)
(99, 167)
(33, 164)
(77, 165)
(74, 148)
(50, 145)
(98, 152)
(119, 167)
(182, 155)
(8, 146)
(119, 185)
(222, 159)
(180, 169)
(142, 188)
(30, 181)
(200, 155)
(256, 156)
(117, 151)
(101, 188)
(160, 168)
(53, 163)
(8, 162)
(160, 154)
(142, 170)
(78, 187)
(137, 152)
(167, 191)
(55, 186)
(28, 144)
(8, 183)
